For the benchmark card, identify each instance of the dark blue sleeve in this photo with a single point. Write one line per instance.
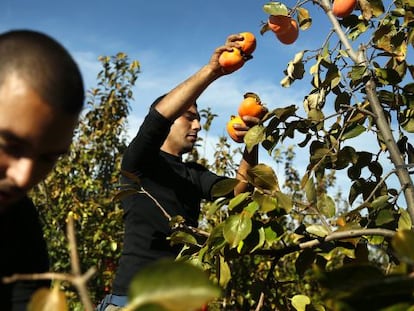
(205, 179)
(23, 251)
(145, 147)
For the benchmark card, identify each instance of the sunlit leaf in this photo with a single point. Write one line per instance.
(174, 285)
(304, 19)
(254, 136)
(384, 216)
(317, 230)
(237, 228)
(310, 191)
(275, 8)
(237, 200)
(403, 245)
(262, 176)
(261, 241)
(326, 205)
(380, 202)
(404, 222)
(286, 81)
(284, 201)
(225, 273)
(266, 202)
(299, 302)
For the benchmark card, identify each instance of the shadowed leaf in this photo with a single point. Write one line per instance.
(174, 285)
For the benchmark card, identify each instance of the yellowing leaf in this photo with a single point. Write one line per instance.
(317, 230)
(299, 302)
(404, 222)
(174, 285)
(262, 176)
(225, 273)
(403, 244)
(275, 8)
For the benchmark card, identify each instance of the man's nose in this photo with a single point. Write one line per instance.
(196, 124)
(21, 171)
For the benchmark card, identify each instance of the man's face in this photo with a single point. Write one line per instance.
(183, 133)
(32, 136)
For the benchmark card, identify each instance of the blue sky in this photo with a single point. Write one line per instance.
(171, 40)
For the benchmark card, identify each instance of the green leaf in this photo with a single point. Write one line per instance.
(284, 201)
(404, 222)
(299, 302)
(403, 244)
(262, 239)
(380, 202)
(225, 273)
(224, 187)
(216, 240)
(353, 131)
(174, 285)
(238, 200)
(326, 205)
(275, 8)
(254, 136)
(304, 19)
(283, 113)
(384, 216)
(310, 191)
(237, 228)
(262, 176)
(180, 237)
(317, 230)
(266, 202)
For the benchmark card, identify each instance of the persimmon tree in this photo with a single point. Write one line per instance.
(293, 245)
(272, 250)
(84, 182)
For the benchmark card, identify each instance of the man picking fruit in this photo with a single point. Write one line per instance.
(169, 130)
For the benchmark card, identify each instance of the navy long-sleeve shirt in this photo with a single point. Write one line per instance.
(178, 186)
(23, 251)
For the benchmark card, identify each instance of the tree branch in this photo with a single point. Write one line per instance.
(337, 235)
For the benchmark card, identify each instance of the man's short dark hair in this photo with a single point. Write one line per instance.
(45, 65)
(159, 99)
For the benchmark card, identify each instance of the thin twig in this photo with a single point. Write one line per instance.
(76, 271)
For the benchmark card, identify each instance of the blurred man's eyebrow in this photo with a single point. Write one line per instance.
(193, 114)
(9, 136)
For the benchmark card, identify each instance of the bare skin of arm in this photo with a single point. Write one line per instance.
(248, 160)
(179, 99)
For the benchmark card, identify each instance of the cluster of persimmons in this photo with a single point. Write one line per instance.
(251, 105)
(235, 59)
(286, 29)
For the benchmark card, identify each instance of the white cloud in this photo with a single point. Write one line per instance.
(89, 66)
